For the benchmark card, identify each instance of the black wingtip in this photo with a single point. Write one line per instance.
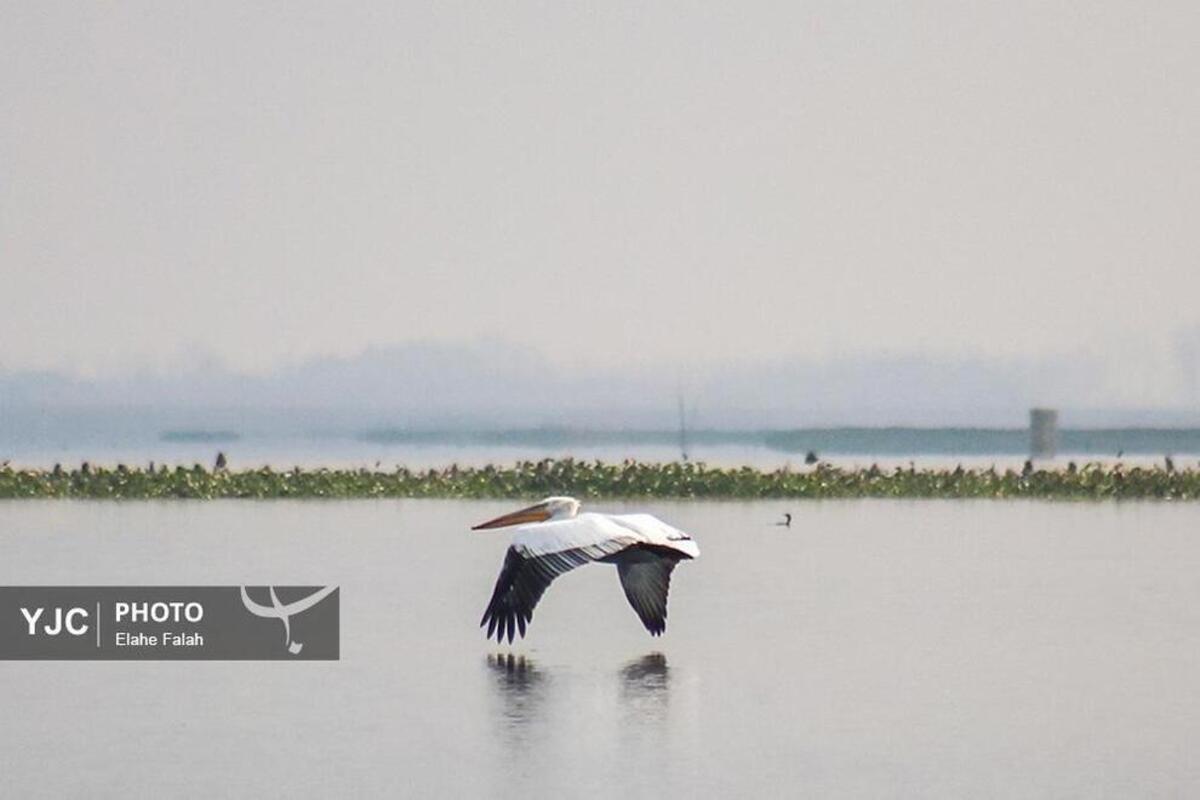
(504, 627)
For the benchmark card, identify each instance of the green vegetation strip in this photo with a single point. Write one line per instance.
(596, 479)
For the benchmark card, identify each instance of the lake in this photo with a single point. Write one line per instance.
(875, 648)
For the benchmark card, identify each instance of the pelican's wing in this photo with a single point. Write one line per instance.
(652, 530)
(523, 580)
(645, 572)
(539, 554)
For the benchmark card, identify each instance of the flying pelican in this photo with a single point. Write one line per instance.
(554, 538)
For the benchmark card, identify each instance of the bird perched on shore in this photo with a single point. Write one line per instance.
(786, 522)
(554, 538)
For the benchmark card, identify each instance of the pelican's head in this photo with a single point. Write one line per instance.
(550, 508)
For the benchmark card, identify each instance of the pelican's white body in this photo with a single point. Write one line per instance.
(608, 532)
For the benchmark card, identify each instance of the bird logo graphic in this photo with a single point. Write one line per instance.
(284, 612)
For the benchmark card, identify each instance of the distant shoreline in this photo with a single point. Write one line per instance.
(594, 479)
(349, 439)
(884, 441)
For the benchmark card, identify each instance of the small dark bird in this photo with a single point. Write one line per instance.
(1170, 464)
(1027, 470)
(220, 462)
(811, 457)
(787, 520)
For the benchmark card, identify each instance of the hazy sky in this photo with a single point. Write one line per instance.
(611, 183)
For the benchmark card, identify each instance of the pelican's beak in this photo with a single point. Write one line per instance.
(538, 513)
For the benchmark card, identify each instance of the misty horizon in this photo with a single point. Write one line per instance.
(618, 186)
(494, 384)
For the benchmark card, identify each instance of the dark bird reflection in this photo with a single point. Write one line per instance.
(520, 686)
(513, 670)
(645, 686)
(650, 671)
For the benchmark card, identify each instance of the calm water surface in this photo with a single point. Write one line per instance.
(874, 649)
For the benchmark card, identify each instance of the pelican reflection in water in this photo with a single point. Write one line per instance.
(520, 685)
(648, 672)
(515, 674)
(645, 687)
